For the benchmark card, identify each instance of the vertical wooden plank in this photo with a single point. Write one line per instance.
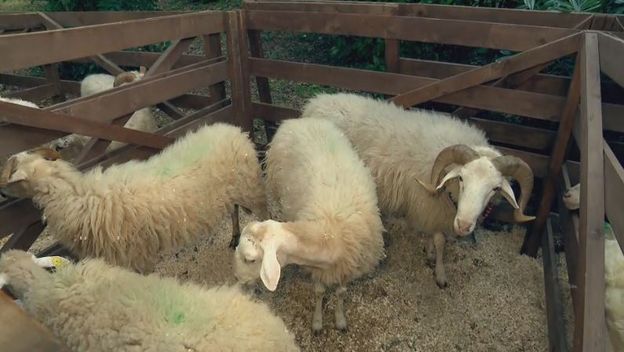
(52, 76)
(589, 325)
(212, 48)
(554, 305)
(557, 156)
(255, 47)
(238, 56)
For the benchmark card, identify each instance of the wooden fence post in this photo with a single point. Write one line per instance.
(238, 55)
(589, 322)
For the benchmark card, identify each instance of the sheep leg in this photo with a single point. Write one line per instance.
(341, 320)
(235, 227)
(431, 254)
(317, 319)
(440, 273)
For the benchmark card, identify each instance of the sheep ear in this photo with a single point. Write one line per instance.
(19, 175)
(449, 176)
(508, 193)
(271, 270)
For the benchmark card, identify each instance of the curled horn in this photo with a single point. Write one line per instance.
(516, 168)
(455, 154)
(125, 77)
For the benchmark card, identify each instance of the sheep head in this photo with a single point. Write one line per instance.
(128, 77)
(572, 197)
(257, 253)
(479, 178)
(23, 169)
(20, 270)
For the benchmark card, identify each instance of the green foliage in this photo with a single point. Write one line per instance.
(573, 5)
(101, 5)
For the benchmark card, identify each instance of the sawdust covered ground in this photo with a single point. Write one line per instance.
(494, 302)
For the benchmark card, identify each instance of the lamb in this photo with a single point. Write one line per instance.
(614, 275)
(403, 149)
(91, 306)
(332, 225)
(129, 213)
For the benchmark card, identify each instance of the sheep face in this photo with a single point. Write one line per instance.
(478, 181)
(257, 252)
(572, 197)
(22, 170)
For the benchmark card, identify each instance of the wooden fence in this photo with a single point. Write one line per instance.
(513, 85)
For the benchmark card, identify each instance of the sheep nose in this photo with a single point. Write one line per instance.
(463, 227)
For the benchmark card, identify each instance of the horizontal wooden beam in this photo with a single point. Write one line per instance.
(34, 94)
(143, 58)
(455, 32)
(540, 106)
(33, 49)
(38, 118)
(109, 105)
(13, 21)
(540, 83)
(468, 13)
(506, 66)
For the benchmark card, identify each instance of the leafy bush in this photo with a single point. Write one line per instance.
(101, 5)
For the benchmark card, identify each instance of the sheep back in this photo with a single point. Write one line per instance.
(398, 146)
(316, 176)
(93, 307)
(130, 212)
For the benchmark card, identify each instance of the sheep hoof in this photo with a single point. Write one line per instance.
(442, 284)
(341, 325)
(233, 242)
(316, 330)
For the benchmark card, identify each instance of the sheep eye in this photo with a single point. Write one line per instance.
(461, 179)
(48, 158)
(250, 261)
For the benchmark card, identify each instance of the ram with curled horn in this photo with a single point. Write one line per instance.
(434, 169)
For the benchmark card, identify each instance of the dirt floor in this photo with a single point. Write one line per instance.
(494, 302)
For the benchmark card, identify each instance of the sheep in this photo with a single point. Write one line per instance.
(141, 120)
(92, 306)
(614, 275)
(332, 226)
(403, 149)
(130, 212)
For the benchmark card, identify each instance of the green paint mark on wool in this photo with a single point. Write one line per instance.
(178, 161)
(178, 317)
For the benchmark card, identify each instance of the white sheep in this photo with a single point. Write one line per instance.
(141, 120)
(327, 198)
(614, 275)
(130, 212)
(404, 148)
(91, 306)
